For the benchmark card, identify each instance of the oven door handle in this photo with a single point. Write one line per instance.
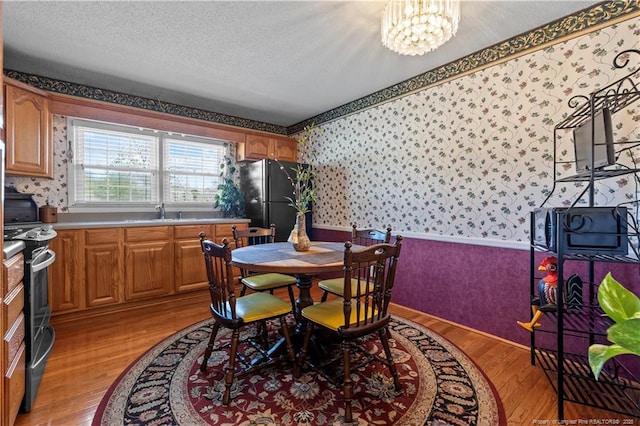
(38, 263)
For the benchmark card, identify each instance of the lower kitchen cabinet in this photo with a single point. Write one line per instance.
(14, 385)
(148, 262)
(66, 284)
(147, 267)
(110, 267)
(190, 271)
(103, 266)
(13, 333)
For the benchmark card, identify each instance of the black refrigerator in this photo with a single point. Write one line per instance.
(265, 186)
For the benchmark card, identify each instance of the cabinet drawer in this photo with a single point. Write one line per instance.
(192, 231)
(13, 272)
(14, 384)
(101, 236)
(14, 304)
(14, 338)
(224, 230)
(151, 233)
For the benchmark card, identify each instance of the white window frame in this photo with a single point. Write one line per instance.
(160, 179)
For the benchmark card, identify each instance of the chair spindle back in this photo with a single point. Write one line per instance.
(368, 237)
(252, 236)
(220, 276)
(375, 265)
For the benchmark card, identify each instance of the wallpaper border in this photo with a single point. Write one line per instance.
(584, 21)
(118, 98)
(589, 19)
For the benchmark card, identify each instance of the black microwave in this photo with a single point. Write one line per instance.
(585, 230)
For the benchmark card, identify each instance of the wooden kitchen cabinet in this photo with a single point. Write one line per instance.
(13, 333)
(110, 268)
(190, 273)
(66, 283)
(103, 266)
(148, 262)
(258, 147)
(28, 131)
(224, 231)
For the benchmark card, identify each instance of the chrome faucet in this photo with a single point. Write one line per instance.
(160, 208)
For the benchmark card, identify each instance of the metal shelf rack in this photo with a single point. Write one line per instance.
(566, 368)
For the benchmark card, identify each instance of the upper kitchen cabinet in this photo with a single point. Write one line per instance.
(257, 147)
(28, 129)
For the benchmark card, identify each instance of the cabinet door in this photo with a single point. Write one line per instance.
(103, 274)
(286, 150)
(66, 283)
(148, 269)
(190, 271)
(103, 266)
(258, 147)
(29, 146)
(14, 385)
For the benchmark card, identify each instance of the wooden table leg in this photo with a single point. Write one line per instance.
(303, 282)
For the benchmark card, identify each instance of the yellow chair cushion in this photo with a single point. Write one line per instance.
(336, 286)
(330, 314)
(262, 282)
(260, 306)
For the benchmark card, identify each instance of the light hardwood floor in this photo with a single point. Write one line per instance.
(89, 355)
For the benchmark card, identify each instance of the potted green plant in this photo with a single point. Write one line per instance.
(304, 193)
(229, 199)
(623, 307)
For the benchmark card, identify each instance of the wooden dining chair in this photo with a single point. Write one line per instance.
(238, 313)
(356, 315)
(362, 237)
(261, 281)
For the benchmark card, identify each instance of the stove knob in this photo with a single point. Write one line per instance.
(46, 229)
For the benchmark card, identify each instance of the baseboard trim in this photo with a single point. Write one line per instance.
(64, 317)
(467, 328)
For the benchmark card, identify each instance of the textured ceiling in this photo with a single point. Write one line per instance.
(276, 62)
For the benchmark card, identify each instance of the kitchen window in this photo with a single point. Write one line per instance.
(118, 166)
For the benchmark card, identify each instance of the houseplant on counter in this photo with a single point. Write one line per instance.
(229, 199)
(304, 193)
(623, 307)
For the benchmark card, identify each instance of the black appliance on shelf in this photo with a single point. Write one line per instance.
(585, 230)
(21, 223)
(265, 188)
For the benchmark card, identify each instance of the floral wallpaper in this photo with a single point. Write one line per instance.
(53, 190)
(472, 157)
(467, 158)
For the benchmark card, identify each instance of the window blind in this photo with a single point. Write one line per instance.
(116, 165)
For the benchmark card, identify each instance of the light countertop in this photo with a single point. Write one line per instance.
(144, 222)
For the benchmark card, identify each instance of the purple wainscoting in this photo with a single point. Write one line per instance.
(482, 287)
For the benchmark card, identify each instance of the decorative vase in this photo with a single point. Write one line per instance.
(298, 236)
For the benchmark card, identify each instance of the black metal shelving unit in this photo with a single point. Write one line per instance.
(566, 368)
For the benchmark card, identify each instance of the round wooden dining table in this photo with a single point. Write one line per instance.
(281, 257)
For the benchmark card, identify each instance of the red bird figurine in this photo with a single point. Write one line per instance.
(547, 291)
(548, 285)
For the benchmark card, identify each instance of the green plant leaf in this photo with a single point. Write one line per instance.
(599, 354)
(626, 334)
(616, 301)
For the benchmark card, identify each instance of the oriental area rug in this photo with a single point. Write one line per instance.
(440, 386)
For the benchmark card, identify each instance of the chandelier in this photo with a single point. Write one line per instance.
(414, 27)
